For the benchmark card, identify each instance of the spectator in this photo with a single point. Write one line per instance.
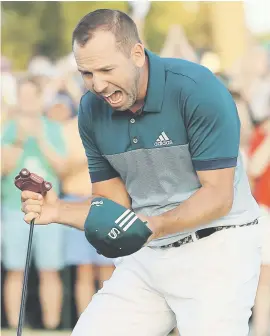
(259, 173)
(177, 45)
(247, 123)
(41, 66)
(36, 143)
(8, 85)
(61, 108)
(251, 73)
(62, 86)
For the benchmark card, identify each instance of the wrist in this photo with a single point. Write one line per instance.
(155, 224)
(56, 212)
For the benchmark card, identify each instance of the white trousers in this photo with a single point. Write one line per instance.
(206, 288)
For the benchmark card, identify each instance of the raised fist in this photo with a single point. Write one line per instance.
(35, 201)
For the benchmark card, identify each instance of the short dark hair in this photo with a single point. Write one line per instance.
(115, 21)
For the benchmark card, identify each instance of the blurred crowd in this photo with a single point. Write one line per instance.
(39, 132)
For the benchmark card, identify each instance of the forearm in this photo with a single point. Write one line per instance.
(10, 155)
(73, 213)
(260, 159)
(58, 163)
(201, 208)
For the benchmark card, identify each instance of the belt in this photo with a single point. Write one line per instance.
(203, 233)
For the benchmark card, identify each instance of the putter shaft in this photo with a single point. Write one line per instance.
(25, 279)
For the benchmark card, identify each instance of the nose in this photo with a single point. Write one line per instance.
(99, 85)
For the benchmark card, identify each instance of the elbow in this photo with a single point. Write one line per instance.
(225, 205)
(254, 172)
(61, 167)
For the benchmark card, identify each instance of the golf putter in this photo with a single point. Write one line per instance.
(32, 182)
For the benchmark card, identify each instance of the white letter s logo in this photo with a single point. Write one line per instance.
(114, 233)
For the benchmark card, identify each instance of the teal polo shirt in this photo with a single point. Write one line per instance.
(189, 123)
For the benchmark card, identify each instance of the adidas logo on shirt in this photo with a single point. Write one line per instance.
(163, 140)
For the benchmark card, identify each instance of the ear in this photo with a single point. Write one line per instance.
(138, 55)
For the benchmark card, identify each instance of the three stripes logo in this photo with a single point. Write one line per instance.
(124, 221)
(163, 140)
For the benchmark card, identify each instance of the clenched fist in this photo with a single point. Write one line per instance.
(43, 209)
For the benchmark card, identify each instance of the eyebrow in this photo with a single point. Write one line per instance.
(99, 69)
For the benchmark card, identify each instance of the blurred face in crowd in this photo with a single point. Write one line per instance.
(108, 72)
(59, 112)
(261, 62)
(257, 62)
(29, 99)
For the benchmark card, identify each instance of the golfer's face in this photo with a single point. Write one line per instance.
(108, 72)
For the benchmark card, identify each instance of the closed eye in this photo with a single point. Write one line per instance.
(106, 70)
(86, 73)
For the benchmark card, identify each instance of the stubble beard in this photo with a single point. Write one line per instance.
(133, 92)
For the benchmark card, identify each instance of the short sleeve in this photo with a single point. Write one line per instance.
(213, 127)
(99, 168)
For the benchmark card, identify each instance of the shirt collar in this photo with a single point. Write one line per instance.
(156, 84)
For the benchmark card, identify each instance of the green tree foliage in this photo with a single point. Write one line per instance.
(29, 28)
(193, 17)
(20, 31)
(73, 11)
(51, 28)
(45, 27)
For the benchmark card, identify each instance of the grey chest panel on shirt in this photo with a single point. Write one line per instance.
(156, 179)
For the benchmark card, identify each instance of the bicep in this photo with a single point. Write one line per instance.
(218, 187)
(113, 189)
(221, 180)
(76, 154)
(213, 128)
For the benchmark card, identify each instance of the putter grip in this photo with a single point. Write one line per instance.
(32, 182)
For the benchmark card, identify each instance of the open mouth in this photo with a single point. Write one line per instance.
(114, 98)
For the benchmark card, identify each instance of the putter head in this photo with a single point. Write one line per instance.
(32, 182)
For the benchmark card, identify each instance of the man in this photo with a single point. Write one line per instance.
(32, 141)
(161, 137)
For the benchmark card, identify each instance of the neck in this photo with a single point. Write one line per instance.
(143, 83)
